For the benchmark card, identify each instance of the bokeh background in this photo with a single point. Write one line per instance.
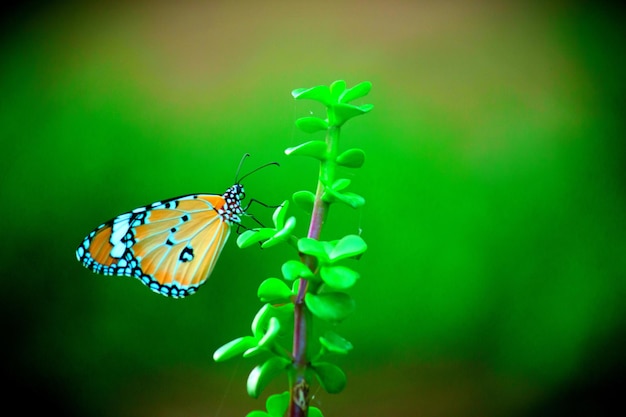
(495, 186)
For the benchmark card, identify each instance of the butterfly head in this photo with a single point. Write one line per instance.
(236, 193)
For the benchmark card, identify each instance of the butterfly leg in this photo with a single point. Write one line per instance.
(252, 200)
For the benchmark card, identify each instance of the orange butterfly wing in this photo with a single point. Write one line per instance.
(171, 246)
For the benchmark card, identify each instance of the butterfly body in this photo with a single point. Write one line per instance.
(171, 246)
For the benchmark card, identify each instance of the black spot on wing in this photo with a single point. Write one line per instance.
(186, 254)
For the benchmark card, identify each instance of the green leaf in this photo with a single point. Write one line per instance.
(347, 247)
(295, 286)
(341, 113)
(315, 149)
(261, 320)
(313, 247)
(334, 193)
(352, 158)
(331, 306)
(270, 236)
(262, 374)
(338, 277)
(319, 93)
(279, 214)
(336, 90)
(330, 376)
(264, 344)
(334, 343)
(274, 290)
(314, 412)
(358, 91)
(277, 404)
(284, 311)
(282, 235)
(234, 348)
(250, 237)
(270, 335)
(295, 269)
(304, 200)
(341, 184)
(311, 124)
(351, 199)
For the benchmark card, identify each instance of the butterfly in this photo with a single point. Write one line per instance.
(172, 245)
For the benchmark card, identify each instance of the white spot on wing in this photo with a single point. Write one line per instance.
(119, 230)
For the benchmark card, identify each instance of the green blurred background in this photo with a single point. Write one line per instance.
(496, 199)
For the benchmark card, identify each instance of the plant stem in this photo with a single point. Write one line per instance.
(300, 389)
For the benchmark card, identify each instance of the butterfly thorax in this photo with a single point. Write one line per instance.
(231, 209)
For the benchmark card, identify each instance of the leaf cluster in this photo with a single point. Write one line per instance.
(319, 276)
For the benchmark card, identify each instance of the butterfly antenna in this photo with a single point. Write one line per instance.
(254, 170)
(243, 158)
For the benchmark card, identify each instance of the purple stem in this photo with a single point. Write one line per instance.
(299, 387)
